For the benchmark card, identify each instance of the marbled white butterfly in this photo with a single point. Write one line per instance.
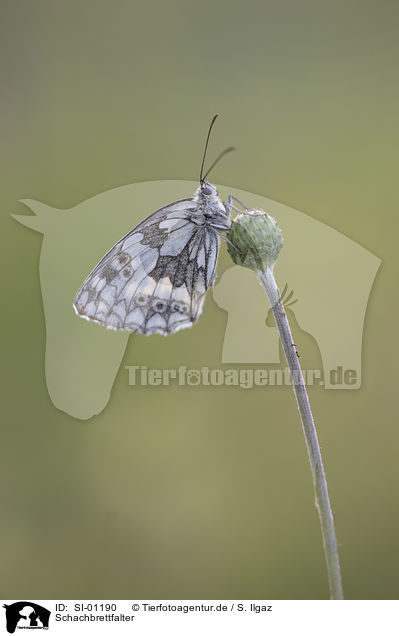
(154, 280)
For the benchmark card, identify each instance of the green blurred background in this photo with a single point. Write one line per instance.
(197, 492)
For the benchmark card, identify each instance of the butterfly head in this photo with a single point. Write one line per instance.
(207, 190)
(207, 196)
(210, 207)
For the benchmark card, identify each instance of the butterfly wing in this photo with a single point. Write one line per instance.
(154, 280)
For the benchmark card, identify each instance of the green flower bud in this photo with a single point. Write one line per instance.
(256, 240)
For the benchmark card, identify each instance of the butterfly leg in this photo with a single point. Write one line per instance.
(228, 205)
(229, 242)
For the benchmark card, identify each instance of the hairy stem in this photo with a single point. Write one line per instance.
(322, 500)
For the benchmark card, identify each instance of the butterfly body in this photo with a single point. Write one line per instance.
(154, 280)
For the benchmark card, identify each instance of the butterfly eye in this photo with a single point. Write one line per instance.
(206, 190)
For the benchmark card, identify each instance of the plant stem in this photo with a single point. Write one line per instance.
(322, 500)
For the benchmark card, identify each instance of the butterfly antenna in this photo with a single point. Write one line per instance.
(240, 202)
(222, 154)
(206, 145)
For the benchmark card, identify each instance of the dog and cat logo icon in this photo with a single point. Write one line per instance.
(26, 615)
